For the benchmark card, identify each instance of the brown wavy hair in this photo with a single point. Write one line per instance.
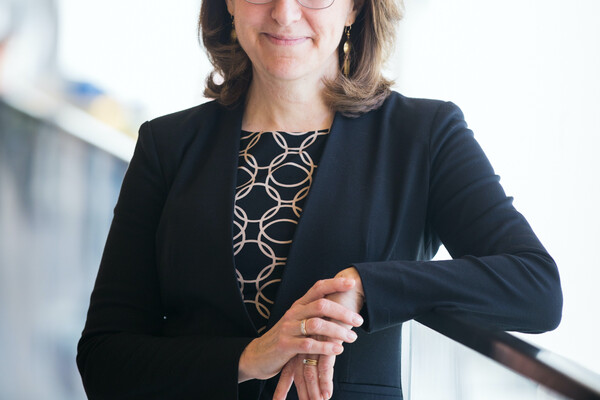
(373, 36)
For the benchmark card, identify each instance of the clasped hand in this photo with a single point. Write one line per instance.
(329, 310)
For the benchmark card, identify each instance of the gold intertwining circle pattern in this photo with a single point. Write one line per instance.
(275, 173)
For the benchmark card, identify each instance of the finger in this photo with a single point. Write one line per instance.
(309, 345)
(299, 378)
(325, 373)
(311, 378)
(286, 378)
(329, 330)
(328, 309)
(324, 287)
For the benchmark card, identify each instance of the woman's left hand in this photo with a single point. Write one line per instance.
(316, 382)
(354, 298)
(312, 382)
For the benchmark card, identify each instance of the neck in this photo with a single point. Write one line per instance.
(292, 106)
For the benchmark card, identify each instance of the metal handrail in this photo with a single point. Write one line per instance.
(542, 366)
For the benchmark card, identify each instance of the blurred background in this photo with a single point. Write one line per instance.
(77, 78)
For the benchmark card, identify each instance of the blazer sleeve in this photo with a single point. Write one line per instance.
(500, 274)
(121, 354)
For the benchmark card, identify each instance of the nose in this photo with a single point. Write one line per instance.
(286, 12)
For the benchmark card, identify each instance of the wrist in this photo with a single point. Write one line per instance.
(352, 273)
(244, 373)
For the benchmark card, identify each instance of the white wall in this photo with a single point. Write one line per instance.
(145, 52)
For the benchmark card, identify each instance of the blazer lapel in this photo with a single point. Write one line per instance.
(203, 210)
(320, 248)
(226, 162)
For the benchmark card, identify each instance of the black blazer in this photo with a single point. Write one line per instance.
(166, 318)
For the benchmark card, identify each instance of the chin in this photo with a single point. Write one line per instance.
(287, 70)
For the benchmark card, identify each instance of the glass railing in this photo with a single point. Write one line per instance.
(448, 358)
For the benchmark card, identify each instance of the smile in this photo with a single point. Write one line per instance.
(285, 40)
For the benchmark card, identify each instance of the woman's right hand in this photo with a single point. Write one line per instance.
(265, 356)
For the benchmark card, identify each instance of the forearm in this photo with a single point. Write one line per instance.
(511, 292)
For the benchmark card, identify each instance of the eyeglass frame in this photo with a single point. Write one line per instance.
(297, 1)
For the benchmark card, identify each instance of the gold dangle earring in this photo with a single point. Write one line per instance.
(233, 33)
(347, 48)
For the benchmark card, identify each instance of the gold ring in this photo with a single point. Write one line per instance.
(310, 361)
(303, 327)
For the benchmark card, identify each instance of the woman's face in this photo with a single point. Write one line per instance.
(287, 41)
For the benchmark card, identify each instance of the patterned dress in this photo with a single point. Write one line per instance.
(275, 172)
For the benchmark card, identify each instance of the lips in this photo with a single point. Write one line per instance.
(285, 40)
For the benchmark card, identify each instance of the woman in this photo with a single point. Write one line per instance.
(254, 233)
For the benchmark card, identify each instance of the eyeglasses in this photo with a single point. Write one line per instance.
(312, 4)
